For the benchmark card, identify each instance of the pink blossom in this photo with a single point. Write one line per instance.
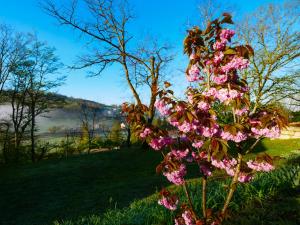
(226, 34)
(223, 164)
(244, 177)
(201, 156)
(158, 143)
(219, 45)
(205, 170)
(215, 223)
(272, 132)
(240, 112)
(179, 154)
(237, 63)
(162, 107)
(238, 137)
(260, 166)
(147, 131)
(176, 176)
(155, 144)
(168, 203)
(166, 140)
(173, 122)
(209, 131)
(194, 74)
(122, 125)
(220, 79)
(195, 125)
(225, 95)
(203, 106)
(234, 94)
(185, 127)
(211, 92)
(218, 57)
(190, 98)
(197, 144)
(188, 218)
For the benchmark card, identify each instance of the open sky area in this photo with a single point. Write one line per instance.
(166, 19)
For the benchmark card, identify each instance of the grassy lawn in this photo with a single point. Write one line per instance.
(65, 189)
(88, 184)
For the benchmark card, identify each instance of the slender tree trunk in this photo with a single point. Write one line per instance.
(233, 185)
(32, 132)
(128, 141)
(32, 138)
(204, 191)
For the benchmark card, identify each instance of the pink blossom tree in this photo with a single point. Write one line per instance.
(215, 116)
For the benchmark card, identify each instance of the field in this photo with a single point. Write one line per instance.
(68, 189)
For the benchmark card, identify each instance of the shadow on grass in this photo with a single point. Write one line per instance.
(81, 185)
(282, 209)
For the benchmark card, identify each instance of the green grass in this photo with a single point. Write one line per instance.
(271, 199)
(278, 147)
(78, 186)
(84, 185)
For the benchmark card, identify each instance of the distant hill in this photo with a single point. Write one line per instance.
(68, 116)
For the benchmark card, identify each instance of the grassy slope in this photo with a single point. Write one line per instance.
(65, 189)
(83, 185)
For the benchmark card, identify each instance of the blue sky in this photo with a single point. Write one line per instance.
(166, 19)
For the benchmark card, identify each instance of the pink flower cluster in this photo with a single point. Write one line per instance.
(260, 166)
(147, 131)
(204, 106)
(238, 137)
(226, 34)
(224, 164)
(176, 176)
(237, 63)
(188, 218)
(219, 45)
(185, 127)
(205, 170)
(197, 144)
(179, 154)
(194, 74)
(162, 107)
(159, 143)
(272, 132)
(220, 79)
(209, 131)
(229, 166)
(169, 203)
(244, 177)
(218, 57)
(224, 95)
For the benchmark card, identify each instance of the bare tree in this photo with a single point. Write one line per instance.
(106, 24)
(89, 118)
(5, 138)
(18, 94)
(210, 9)
(274, 70)
(43, 78)
(10, 46)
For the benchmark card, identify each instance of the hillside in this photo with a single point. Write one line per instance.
(68, 116)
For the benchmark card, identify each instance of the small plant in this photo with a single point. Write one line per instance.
(215, 127)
